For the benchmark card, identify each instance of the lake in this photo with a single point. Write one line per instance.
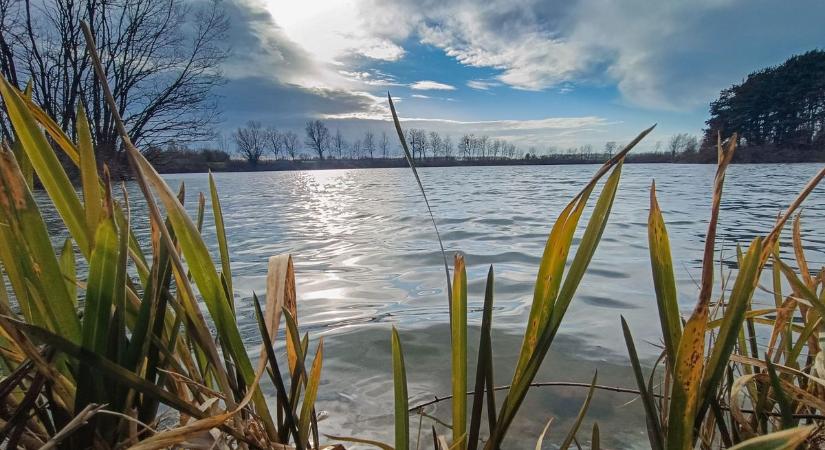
(366, 257)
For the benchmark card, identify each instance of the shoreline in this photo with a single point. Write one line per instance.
(391, 163)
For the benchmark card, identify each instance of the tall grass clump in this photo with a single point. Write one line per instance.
(125, 355)
(717, 387)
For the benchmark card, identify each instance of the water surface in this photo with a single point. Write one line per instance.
(366, 258)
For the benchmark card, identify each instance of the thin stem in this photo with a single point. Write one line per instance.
(601, 387)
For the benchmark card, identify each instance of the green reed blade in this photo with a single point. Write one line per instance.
(799, 286)
(121, 285)
(26, 168)
(458, 330)
(663, 280)
(290, 419)
(56, 134)
(100, 290)
(68, 268)
(785, 406)
(595, 439)
(28, 256)
(399, 377)
(587, 247)
(548, 280)
(571, 434)
(811, 327)
(483, 364)
(17, 147)
(51, 127)
(654, 428)
(298, 371)
(687, 373)
(220, 231)
(88, 170)
(97, 311)
(740, 298)
(152, 313)
(308, 405)
(48, 167)
(584, 253)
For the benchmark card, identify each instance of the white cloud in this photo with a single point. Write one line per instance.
(530, 61)
(419, 96)
(370, 77)
(670, 55)
(330, 30)
(482, 85)
(428, 85)
(550, 123)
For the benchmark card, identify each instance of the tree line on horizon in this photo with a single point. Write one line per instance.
(253, 142)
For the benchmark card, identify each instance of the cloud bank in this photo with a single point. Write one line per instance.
(335, 59)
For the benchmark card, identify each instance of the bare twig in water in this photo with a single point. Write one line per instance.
(601, 387)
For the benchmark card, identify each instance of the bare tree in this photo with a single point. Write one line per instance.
(317, 137)
(610, 147)
(657, 147)
(464, 145)
(435, 143)
(692, 145)
(448, 147)
(384, 144)
(682, 142)
(355, 149)
(250, 141)
(369, 143)
(275, 140)
(495, 148)
(222, 142)
(290, 140)
(512, 152)
(417, 140)
(161, 57)
(338, 143)
(483, 142)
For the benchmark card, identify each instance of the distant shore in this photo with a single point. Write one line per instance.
(375, 163)
(175, 165)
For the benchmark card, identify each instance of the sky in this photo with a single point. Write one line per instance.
(539, 73)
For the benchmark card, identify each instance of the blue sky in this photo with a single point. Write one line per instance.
(543, 74)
